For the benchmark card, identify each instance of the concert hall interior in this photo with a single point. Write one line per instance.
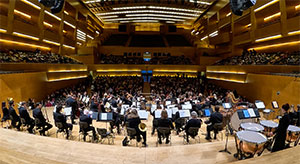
(149, 81)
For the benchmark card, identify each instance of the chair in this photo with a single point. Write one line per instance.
(218, 127)
(83, 126)
(38, 125)
(193, 131)
(23, 123)
(164, 131)
(60, 129)
(131, 132)
(105, 135)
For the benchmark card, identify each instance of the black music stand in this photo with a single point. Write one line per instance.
(105, 117)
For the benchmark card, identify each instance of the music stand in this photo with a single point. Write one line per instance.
(226, 105)
(143, 114)
(259, 104)
(105, 117)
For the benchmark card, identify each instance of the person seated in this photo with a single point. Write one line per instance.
(193, 122)
(164, 121)
(37, 114)
(133, 122)
(215, 118)
(280, 137)
(59, 117)
(5, 112)
(25, 115)
(15, 119)
(115, 122)
(86, 118)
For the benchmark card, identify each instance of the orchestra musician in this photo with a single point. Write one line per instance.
(193, 122)
(25, 115)
(86, 118)
(133, 122)
(59, 117)
(116, 120)
(15, 119)
(281, 131)
(37, 114)
(164, 121)
(5, 112)
(216, 117)
(71, 102)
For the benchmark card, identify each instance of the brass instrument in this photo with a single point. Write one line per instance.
(142, 127)
(107, 107)
(232, 97)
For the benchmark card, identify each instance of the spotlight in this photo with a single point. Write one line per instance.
(55, 5)
(238, 6)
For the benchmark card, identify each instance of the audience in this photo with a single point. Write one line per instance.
(253, 58)
(15, 56)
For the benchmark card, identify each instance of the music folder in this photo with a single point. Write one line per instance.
(275, 104)
(157, 113)
(143, 114)
(251, 112)
(105, 116)
(207, 112)
(168, 102)
(169, 113)
(226, 105)
(174, 110)
(68, 111)
(95, 116)
(186, 106)
(184, 113)
(260, 105)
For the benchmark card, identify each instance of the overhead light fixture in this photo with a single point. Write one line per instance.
(294, 32)
(201, 2)
(66, 12)
(120, 70)
(124, 21)
(3, 30)
(145, 21)
(272, 16)
(67, 46)
(31, 4)
(51, 42)
(112, 16)
(268, 38)
(275, 45)
(129, 8)
(79, 43)
(297, 7)
(54, 16)
(68, 78)
(47, 24)
(204, 38)
(72, 70)
(224, 79)
(90, 37)
(227, 72)
(25, 36)
(97, 32)
(213, 34)
(175, 9)
(227, 15)
(248, 25)
(147, 11)
(21, 13)
(170, 22)
(158, 15)
(144, 18)
(265, 5)
(24, 44)
(64, 31)
(69, 24)
(197, 33)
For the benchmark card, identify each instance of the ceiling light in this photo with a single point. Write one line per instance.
(69, 24)
(265, 5)
(147, 11)
(213, 34)
(24, 44)
(158, 15)
(272, 16)
(275, 45)
(67, 46)
(204, 38)
(175, 9)
(25, 36)
(268, 38)
(112, 16)
(21, 13)
(297, 7)
(54, 16)
(31, 4)
(294, 32)
(51, 42)
(66, 12)
(47, 24)
(145, 18)
(148, 21)
(130, 8)
(3, 30)
(170, 22)
(227, 15)
(90, 37)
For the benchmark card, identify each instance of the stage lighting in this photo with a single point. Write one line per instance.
(55, 5)
(238, 6)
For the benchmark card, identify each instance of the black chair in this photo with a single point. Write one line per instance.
(164, 131)
(193, 133)
(60, 129)
(39, 125)
(131, 132)
(104, 134)
(23, 123)
(83, 132)
(218, 127)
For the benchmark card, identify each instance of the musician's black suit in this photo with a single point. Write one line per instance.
(59, 117)
(37, 114)
(134, 123)
(15, 122)
(216, 117)
(191, 123)
(164, 123)
(70, 102)
(88, 120)
(28, 120)
(280, 133)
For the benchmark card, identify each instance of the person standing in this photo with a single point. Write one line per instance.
(37, 114)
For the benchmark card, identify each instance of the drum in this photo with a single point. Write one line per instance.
(269, 126)
(266, 113)
(251, 142)
(293, 133)
(235, 122)
(252, 127)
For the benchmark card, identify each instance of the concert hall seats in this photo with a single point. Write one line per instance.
(254, 58)
(116, 40)
(171, 60)
(16, 56)
(147, 41)
(177, 40)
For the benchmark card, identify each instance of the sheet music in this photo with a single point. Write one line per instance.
(162, 106)
(103, 116)
(174, 110)
(143, 114)
(178, 100)
(171, 106)
(168, 102)
(83, 99)
(251, 112)
(187, 106)
(169, 113)
(157, 113)
(275, 104)
(68, 111)
(80, 97)
(184, 113)
(95, 115)
(187, 102)
(87, 100)
(195, 101)
(260, 105)
(138, 104)
(133, 104)
(54, 109)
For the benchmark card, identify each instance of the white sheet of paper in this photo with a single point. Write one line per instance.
(260, 105)
(138, 104)
(171, 106)
(187, 106)
(251, 112)
(195, 101)
(168, 102)
(178, 100)
(83, 99)
(143, 114)
(103, 116)
(68, 111)
(157, 113)
(169, 113)
(184, 113)
(174, 110)
(275, 105)
(87, 100)
(187, 102)
(133, 104)
(54, 109)
(162, 106)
